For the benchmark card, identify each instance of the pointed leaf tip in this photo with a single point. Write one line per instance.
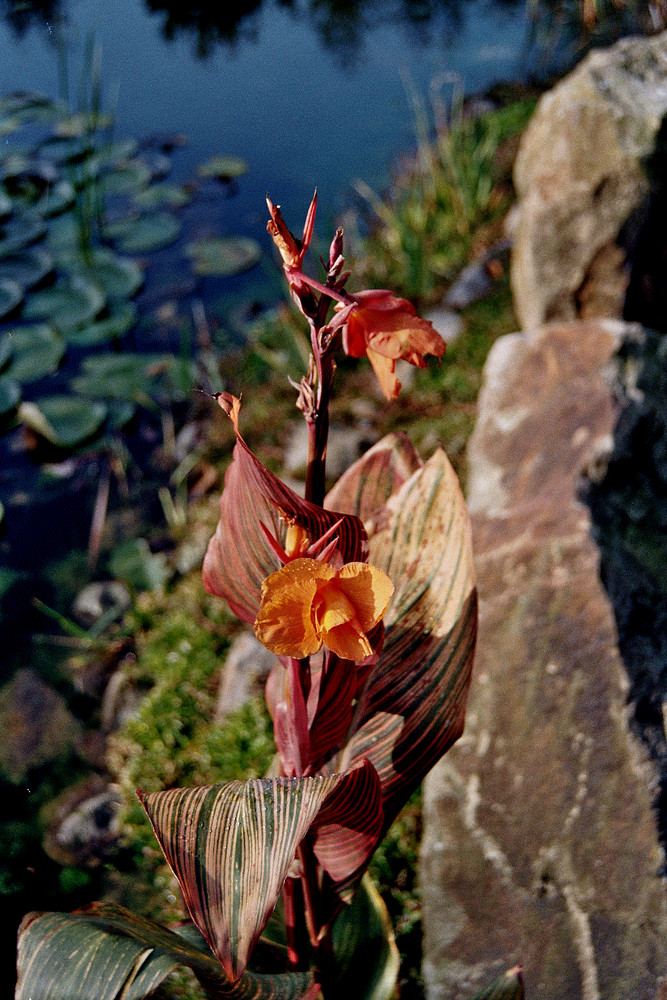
(231, 405)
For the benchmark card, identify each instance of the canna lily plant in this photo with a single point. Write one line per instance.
(367, 598)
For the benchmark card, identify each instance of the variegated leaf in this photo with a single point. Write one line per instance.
(347, 828)
(367, 485)
(231, 846)
(108, 953)
(239, 557)
(413, 706)
(334, 685)
(367, 958)
(507, 987)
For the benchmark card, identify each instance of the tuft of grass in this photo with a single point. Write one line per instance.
(446, 204)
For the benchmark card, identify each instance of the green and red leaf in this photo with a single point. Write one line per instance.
(106, 952)
(239, 557)
(367, 485)
(231, 846)
(413, 706)
(367, 959)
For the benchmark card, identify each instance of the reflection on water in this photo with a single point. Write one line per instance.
(22, 15)
(340, 25)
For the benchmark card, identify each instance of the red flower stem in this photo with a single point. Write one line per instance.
(310, 890)
(298, 717)
(318, 421)
(343, 297)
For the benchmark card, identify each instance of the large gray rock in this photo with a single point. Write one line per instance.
(579, 177)
(540, 842)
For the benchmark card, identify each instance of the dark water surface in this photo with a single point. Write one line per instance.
(308, 99)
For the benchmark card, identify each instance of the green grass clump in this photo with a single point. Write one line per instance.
(449, 201)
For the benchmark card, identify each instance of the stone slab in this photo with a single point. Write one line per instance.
(540, 844)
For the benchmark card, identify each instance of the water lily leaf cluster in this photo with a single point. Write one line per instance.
(77, 208)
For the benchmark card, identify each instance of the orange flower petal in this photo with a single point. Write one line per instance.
(308, 603)
(384, 368)
(368, 588)
(331, 608)
(285, 623)
(348, 641)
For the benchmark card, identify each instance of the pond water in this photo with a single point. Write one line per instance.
(308, 96)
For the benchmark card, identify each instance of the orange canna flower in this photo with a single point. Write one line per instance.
(308, 604)
(386, 328)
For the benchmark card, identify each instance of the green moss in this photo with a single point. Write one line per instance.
(172, 739)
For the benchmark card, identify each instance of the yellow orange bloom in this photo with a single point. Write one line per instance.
(307, 604)
(386, 328)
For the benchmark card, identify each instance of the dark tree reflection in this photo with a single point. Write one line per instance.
(340, 24)
(22, 14)
(210, 25)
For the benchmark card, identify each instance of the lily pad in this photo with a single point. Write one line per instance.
(68, 305)
(63, 235)
(141, 378)
(58, 199)
(223, 255)
(66, 421)
(36, 351)
(125, 178)
(163, 196)
(6, 206)
(10, 395)
(223, 168)
(119, 277)
(11, 295)
(118, 151)
(9, 125)
(27, 179)
(121, 412)
(27, 267)
(81, 124)
(19, 232)
(5, 351)
(110, 328)
(65, 149)
(146, 233)
(30, 106)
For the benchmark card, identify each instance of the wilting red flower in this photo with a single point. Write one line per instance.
(307, 604)
(292, 250)
(386, 328)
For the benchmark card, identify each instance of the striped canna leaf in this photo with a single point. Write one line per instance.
(108, 953)
(367, 958)
(231, 846)
(367, 485)
(413, 706)
(239, 557)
